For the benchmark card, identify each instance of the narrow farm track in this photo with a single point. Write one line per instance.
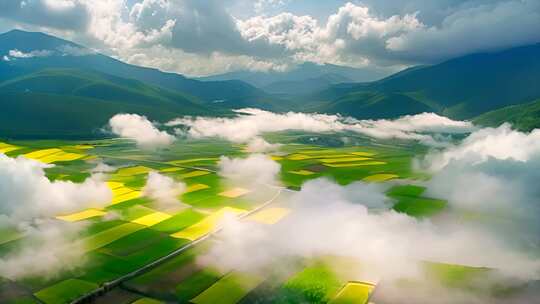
(108, 286)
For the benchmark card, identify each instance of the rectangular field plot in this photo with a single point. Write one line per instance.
(41, 153)
(172, 169)
(147, 301)
(136, 170)
(314, 284)
(83, 215)
(360, 164)
(151, 219)
(196, 187)
(6, 148)
(194, 174)
(419, 206)
(208, 224)
(196, 284)
(61, 157)
(302, 172)
(108, 236)
(235, 192)
(230, 289)
(126, 197)
(344, 160)
(380, 177)
(133, 242)
(353, 293)
(163, 281)
(65, 291)
(179, 221)
(406, 190)
(360, 153)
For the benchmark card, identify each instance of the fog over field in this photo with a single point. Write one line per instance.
(28, 200)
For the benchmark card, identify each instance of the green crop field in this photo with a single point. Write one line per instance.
(134, 231)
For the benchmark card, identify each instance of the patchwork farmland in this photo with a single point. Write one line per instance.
(137, 251)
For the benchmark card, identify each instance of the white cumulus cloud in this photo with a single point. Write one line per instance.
(253, 122)
(25, 191)
(252, 171)
(139, 129)
(28, 200)
(328, 219)
(35, 53)
(163, 189)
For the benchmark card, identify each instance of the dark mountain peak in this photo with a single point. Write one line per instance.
(32, 41)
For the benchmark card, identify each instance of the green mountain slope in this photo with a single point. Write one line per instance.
(375, 105)
(525, 117)
(302, 73)
(65, 54)
(460, 88)
(70, 103)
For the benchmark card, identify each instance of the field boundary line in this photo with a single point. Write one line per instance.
(108, 286)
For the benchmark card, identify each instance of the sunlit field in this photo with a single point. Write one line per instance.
(136, 250)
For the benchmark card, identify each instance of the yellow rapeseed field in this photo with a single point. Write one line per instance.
(41, 153)
(115, 185)
(60, 156)
(6, 148)
(196, 187)
(83, 215)
(354, 292)
(194, 174)
(302, 172)
(344, 159)
(151, 219)
(379, 177)
(208, 224)
(298, 157)
(359, 153)
(126, 197)
(366, 163)
(235, 192)
(172, 169)
(130, 171)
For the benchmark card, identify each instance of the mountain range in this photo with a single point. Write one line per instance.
(460, 88)
(302, 78)
(54, 88)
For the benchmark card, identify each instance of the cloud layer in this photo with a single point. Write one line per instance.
(328, 219)
(251, 123)
(139, 129)
(492, 171)
(205, 37)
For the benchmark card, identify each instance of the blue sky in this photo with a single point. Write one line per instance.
(203, 37)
